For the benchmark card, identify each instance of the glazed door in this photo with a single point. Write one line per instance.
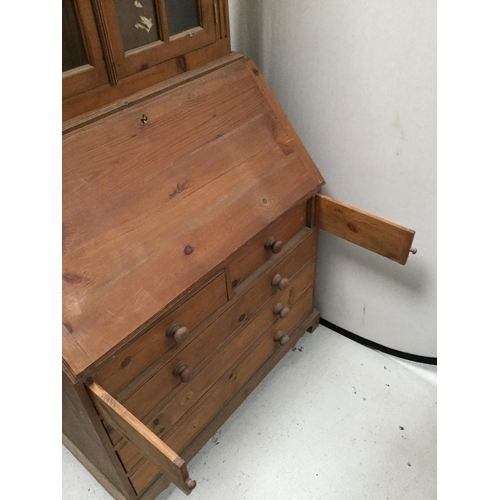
(83, 64)
(144, 33)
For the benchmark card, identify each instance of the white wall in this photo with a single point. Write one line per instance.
(357, 80)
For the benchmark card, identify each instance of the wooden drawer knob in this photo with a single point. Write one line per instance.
(190, 483)
(280, 282)
(273, 245)
(177, 332)
(280, 310)
(281, 338)
(183, 371)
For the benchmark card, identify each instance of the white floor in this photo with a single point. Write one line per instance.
(334, 420)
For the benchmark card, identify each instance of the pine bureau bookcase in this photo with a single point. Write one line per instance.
(191, 212)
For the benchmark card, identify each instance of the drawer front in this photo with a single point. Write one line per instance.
(129, 363)
(197, 353)
(256, 253)
(232, 381)
(193, 390)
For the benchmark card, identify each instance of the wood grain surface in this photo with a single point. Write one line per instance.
(212, 338)
(203, 347)
(132, 361)
(157, 452)
(252, 256)
(185, 399)
(229, 386)
(364, 229)
(150, 209)
(83, 430)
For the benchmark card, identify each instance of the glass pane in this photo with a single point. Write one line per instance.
(182, 15)
(138, 22)
(73, 49)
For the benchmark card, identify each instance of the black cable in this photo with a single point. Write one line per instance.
(378, 347)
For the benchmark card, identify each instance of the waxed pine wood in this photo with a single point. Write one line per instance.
(145, 350)
(191, 212)
(236, 315)
(366, 230)
(162, 47)
(215, 336)
(93, 74)
(85, 116)
(112, 73)
(82, 431)
(252, 256)
(134, 194)
(227, 388)
(308, 324)
(161, 423)
(164, 458)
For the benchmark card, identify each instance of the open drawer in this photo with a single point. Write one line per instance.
(151, 446)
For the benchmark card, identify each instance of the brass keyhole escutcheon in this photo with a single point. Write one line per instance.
(143, 120)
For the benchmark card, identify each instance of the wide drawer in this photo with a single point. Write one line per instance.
(193, 390)
(231, 382)
(267, 243)
(145, 350)
(238, 314)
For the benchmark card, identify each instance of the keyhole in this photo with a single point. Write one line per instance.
(143, 120)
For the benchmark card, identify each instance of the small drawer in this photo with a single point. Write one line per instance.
(269, 242)
(145, 350)
(192, 390)
(231, 382)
